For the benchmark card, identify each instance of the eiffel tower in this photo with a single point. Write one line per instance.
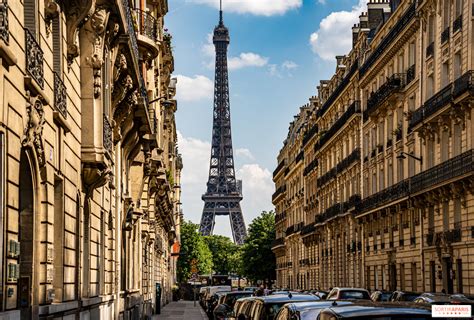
(224, 192)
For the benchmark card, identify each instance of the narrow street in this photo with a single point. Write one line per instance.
(181, 310)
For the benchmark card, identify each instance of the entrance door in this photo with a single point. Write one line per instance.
(393, 276)
(448, 275)
(26, 211)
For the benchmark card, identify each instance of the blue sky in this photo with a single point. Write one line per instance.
(279, 51)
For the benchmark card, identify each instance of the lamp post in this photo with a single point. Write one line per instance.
(403, 155)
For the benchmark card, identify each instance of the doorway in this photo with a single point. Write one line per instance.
(26, 231)
(447, 268)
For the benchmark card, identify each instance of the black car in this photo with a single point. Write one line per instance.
(379, 296)
(305, 310)
(226, 303)
(443, 298)
(213, 302)
(367, 310)
(404, 296)
(267, 307)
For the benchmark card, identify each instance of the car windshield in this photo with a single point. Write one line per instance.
(230, 299)
(409, 297)
(354, 295)
(385, 296)
(271, 310)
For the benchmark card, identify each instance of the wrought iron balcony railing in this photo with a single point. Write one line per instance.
(4, 30)
(107, 134)
(389, 38)
(299, 156)
(280, 216)
(147, 24)
(443, 97)
(430, 50)
(60, 96)
(457, 24)
(278, 242)
(338, 208)
(391, 193)
(34, 59)
(307, 229)
(452, 168)
(310, 167)
(279, 191)
(353, 109)
(445, 35)
(394, 84)
(338, 90)
(280, 166)
(410, 74)
(309, 134)
(340, 167)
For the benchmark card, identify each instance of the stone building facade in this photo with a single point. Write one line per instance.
(389, 143)
(89, 166)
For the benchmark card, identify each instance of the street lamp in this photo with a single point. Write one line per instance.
(166, 103)
(403, 155)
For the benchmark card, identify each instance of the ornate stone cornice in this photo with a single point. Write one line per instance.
(94, 177)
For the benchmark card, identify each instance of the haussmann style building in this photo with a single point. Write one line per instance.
(89, 168)
(380, 194)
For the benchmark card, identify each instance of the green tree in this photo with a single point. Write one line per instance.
(193, 246)
(224, 254)
(258, 260)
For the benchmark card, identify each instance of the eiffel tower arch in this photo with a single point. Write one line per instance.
(224, 192)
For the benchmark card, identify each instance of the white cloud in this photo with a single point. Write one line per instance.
(192, 89)
(257, 183)
(322, 1)
(288, 65)
(244, 153)
(255, 7)
(285, 68)
(247, 59)
(334, 36)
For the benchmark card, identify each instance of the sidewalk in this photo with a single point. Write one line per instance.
(181, 310)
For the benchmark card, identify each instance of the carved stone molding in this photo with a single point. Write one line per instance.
(33, 132)
(122, 87)
(51, 11)
(123, 110)
(94, 177)
(77, 11)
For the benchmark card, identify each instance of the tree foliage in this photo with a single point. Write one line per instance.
(225, 254)
(258, 260)
(193, 246)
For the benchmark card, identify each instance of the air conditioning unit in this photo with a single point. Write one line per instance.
(13, 248)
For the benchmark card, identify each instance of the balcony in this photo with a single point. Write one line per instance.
(445, 35)
(393, 85)
(279, 192)
(107, 134)
(389, 194)
(338, 208)
(354, 108)
(60, 96)
(410, 74)
(463, 84)
(147, 34)
(389, 38)
(34, 59)
(278, 243)
(310, 167)
(299, 156)
(309, 134)
(340, 167)
(457, 24)
(308, 229)
(455, 167)
(335, 94)
(280, 166)
(4, 30)
(430, 50)
(280, 217)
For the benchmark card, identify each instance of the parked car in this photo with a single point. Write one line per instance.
(443, 298)
(404, 296)
(321, 294)
(213, 302)
(202, 293)
(379, 296)
(252, 289)
(348, 294)
(211, 290)
(226, 303)
(305, 310)
(372, 310)
(267, 307)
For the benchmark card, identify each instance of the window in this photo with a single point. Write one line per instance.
(429, 87)
(58, 238)
(431, 29)
(31, 16)
(457, 136)
(414, 278)
(431, 219)
(457, 213)
(446, 216)
(457, 65)
(412, 54)
(458, 7)
(445, 74)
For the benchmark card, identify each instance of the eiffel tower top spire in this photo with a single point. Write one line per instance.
(221, 20)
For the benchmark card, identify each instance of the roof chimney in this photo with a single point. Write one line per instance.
(376, 10)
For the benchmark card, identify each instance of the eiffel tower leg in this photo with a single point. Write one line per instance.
(238, 226)
(207, 223)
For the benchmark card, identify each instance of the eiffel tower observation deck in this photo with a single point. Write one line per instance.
(224, 192)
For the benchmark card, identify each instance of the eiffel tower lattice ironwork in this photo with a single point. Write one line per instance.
(224, 192)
